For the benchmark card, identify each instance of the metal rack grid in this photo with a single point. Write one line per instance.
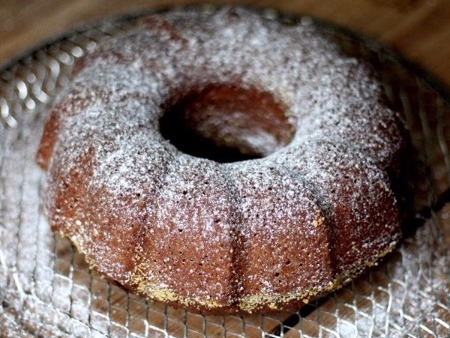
(47, 289)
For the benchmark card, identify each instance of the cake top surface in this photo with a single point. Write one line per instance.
(120, 90)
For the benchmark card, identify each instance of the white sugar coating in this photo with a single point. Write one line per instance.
(345, 142)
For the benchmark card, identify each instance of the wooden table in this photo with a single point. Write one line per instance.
(418, 29)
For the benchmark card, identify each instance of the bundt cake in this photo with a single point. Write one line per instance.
(224, 161)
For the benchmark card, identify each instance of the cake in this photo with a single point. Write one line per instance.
(225, 161)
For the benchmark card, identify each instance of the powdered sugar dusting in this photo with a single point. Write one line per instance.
(111, 138)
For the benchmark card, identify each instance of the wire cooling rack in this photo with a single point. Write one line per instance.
(47, 290)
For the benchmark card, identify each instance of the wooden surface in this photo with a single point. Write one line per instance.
(418, 29)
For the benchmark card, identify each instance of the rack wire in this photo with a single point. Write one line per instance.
(47, 289)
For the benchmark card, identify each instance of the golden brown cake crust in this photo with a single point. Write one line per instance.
(310, 204)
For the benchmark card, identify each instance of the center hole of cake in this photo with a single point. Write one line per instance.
(226, 123)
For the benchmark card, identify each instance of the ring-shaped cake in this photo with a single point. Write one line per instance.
(225, 161)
